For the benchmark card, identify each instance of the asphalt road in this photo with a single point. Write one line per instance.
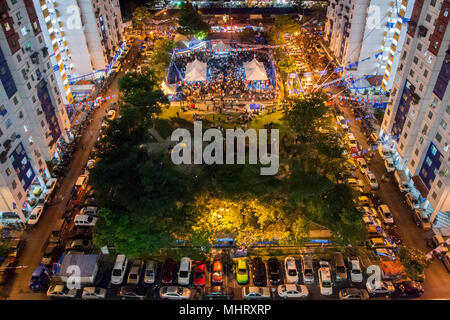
(437, 282)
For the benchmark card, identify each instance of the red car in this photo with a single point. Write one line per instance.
(199, 273)
(168, 272)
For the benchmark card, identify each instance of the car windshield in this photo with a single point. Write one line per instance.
(292, 272)
(217, 273)
(308, 272)
(388, 215)
(340, 269)
(117, 272)
(242, 271)
(183, 274)
(356, 271)
(424, 219)
(326, 283)
(33, 216)
(149, 273)
(133, 276)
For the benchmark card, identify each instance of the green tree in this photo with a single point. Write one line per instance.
(191, 23)
(140, 16)
(280, 26)
(414, 261)
(161, 57)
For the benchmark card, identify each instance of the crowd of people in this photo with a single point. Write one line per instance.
(225, 76)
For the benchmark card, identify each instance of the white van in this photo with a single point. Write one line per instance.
(355, 270)
(82, 182)
(184, 273)
(91, 211)
(120, 266)
(402, 180)
(325, 283)
(85, 220)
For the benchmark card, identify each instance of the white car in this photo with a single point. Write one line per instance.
(365, 210)
(342, 122)
(356, 274)
(356, 184)
(150, 272)
(380, 287)
(35, 215)
(50, 185)
(386, 214)
(363, 167)
(90, 293)
(292, 291)
(412, 201)
(384, 152)
(134, 276)
(371, 180)
(174, 293)
(84, 220)
(389, 165)
(61, 291)
(371, 221)
(351, 141)
(256, 293)
(291, 270)
(184, 274)
(325, 283)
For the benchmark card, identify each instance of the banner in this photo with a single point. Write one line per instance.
(231, 50)
(90, 101)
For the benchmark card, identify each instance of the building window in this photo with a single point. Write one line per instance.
(425, 73)
(28, 86)
(389, 112)
(19, 15)
(433, 3)
(424, 173)
(415, 60)
(408, 40)
(428, 161)
(433, 150)
(409, 124)
(15, 101)
(8, 172)
(421, 140)
(42, 123)
(438, 137)
(428, 18)
(8, 123)
(434, 195)
(19, 196)
(411, 73)
(419, 46)
(19, 58)
(401, 146)
(14, 184)
(413, 163)
(439, 184)
(443, 124)
(33, 98)
(421, 87)
(430, 115)
(416, 152)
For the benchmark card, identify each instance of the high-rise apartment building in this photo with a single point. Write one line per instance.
(366, 35)
(416, 125)
(33, 118)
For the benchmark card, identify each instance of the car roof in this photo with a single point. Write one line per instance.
(242, 263)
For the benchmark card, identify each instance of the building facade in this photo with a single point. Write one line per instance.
(416, 125)
(33, 118)
(365, 36)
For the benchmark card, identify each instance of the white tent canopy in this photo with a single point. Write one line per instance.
(166, 89)
(220, 46)
(195, 71)
(255, 70)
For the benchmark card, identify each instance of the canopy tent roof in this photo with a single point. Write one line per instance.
(255, 70)
(195, 71)
(166, 89)
(220, 46)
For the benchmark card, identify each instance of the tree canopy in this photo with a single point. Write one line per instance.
(191, 23)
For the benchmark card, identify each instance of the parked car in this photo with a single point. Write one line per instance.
(150, 272)
(7, 269)
(386, 214)
(369, 211)
(339, 267)
(408, 288)
(351, 141)
(168, 272)
(174, 293)
(389, 165)
(91, 293)
(371, 180)
(217, 272)
(132, 292)
(256, 293)
(80, 245)
(259, 272)
(111, 115)
(292, 291)
(362, 164)
(49, 254)
(84, 220)
(290, 269)
(412, 202)
(353, 294)
(35, 215)
(118, 272)
(421, 219)
(307, 269)
(274, 269)
(375, 243)
(16, 247)
(50, 186)
(375, 198)
(356, 274)
(39, 278)
(134, 276)
(61, 291)
(184, 273)
(380, 287)
(356, 184)
(218, 292)
(199, 273)
(241, 271)
(325, 282)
